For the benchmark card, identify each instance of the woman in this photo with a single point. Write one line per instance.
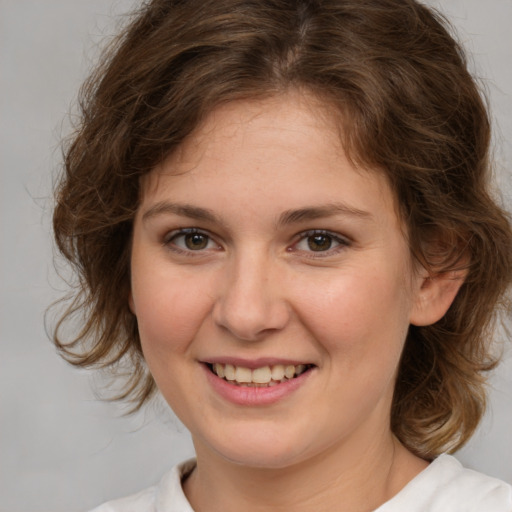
(280, 216)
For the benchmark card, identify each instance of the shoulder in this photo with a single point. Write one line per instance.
(143, 501)
(446, 485)
(167, 495)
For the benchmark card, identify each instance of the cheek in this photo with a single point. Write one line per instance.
(169, 310)
(356, 312)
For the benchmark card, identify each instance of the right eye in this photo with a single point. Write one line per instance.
(190, 240)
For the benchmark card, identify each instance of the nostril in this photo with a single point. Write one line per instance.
(251, 323)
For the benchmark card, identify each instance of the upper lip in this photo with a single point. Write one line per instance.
(254, 363)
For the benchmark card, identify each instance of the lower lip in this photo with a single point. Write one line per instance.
(254, 396)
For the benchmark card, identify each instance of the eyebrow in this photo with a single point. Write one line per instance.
(293, 216)
(183, 210)
(321, 212)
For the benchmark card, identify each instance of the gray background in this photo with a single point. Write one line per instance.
(61, 449)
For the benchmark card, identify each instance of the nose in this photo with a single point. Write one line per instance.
(250, 302)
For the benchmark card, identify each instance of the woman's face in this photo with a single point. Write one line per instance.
(261, 255)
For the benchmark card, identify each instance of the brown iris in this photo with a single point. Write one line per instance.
(319, 242)
(196, 241)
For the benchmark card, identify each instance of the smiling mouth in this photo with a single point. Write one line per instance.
(266, 376)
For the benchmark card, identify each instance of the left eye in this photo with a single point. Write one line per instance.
(319, 242)
(192, 241)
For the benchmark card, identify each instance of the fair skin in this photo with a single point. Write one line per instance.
(259, 245)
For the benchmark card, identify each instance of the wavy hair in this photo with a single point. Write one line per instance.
(398, 82)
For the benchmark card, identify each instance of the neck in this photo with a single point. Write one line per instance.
(360, 480)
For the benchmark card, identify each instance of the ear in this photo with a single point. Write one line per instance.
(434, 295)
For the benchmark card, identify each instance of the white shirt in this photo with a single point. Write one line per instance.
(444, 486)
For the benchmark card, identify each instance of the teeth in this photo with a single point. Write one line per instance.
(301, 368)
(243, 374)
(219, 370)
(277, 372)
(229, 372)
(259, 377)
(262, 375)
(289, 371)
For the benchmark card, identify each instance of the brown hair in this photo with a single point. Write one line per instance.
(407, 105)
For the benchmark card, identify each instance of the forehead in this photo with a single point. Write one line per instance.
(276, 122)
(286, 149)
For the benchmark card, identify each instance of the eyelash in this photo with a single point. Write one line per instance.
(170, 242)
(342, 242)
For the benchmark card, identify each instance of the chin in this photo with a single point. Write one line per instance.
(261, 452)
(260, 460)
